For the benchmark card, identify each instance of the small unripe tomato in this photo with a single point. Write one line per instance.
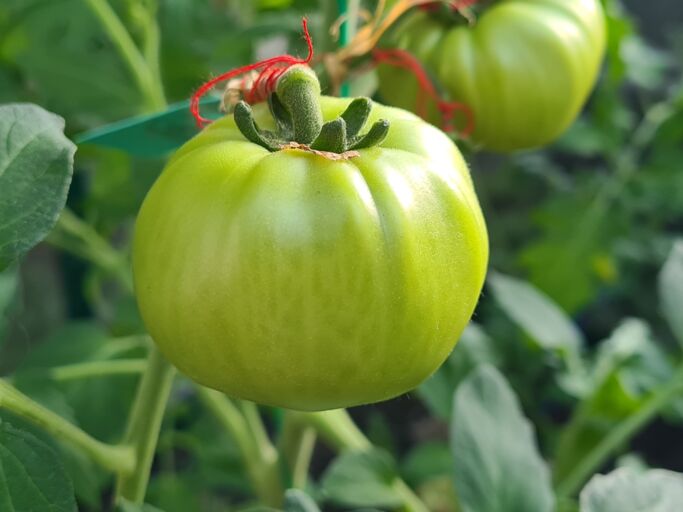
(311, 279)
(524, 68)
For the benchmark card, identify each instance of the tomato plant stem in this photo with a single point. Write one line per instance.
(114, 458)
(262, 467)
(75, 236)
(257, 430)
(143, 74)
(296, 446)
(338, 429)
(620, 435)
(152, 42)
(144, 424)
(97, 369)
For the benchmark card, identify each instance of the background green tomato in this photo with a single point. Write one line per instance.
(290, 279)
(525, 68)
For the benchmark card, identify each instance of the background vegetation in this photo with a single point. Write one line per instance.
(581, 313)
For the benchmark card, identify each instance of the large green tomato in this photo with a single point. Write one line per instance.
(295, 280)
(525, 67)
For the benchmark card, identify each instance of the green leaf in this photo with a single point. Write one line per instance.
(299, 501)
(83, 77)
(35, 173)
(627, 490)
(671, 290)
(362, 479)
(31, 475)
(535, 313)
(427, 461)
(497, 464)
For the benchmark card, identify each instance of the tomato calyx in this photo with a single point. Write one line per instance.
(295, 106)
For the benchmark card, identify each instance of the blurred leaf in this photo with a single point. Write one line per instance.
(127, 506)
(438, 494)
(206, 37)
(626, 490)
(671, 290)
(172, 493)
(426, 461)
(31, 475)
(35, 174)
(629, 366)
(497, 464)
(536, 314)
(299, 501)
(83, 76)
(619, 28)
(576, 231)
(645, 65)
(473, 348)
(9, 281)
(362, 479)
(100, 403)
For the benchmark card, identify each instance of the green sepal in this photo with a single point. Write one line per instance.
(299, 92)
(332, 137)
(244, 119)
(356, 115)
(375, 136)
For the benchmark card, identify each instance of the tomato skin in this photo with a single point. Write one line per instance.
(293, 280)
(525, 68)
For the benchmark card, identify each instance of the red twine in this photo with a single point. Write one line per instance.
(405, 60)
(264, 84)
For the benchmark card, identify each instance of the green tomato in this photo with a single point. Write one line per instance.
(295, 280)
(525, 68)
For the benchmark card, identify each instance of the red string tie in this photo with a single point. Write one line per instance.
(405, 60)
(264, 83)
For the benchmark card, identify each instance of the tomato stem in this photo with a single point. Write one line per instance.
(144, 424)
(296, 445)
(119, 458)
(339, 431)
(619, 435)
(259, 457)
(295, 106)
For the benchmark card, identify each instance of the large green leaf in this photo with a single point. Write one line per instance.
(36, 165)
(497, 464)
(31, 475)
(627, 490)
